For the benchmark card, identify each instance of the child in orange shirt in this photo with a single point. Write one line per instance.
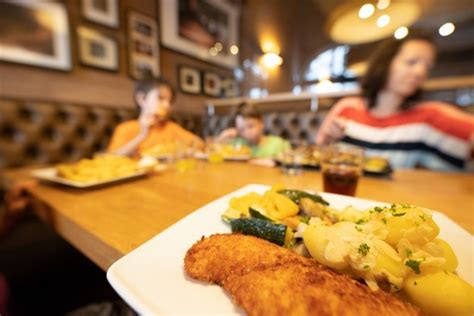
(152, 128)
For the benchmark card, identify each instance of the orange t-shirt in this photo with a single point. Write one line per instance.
(167, 133)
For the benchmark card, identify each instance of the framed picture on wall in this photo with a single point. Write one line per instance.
(143, 50)
(105, 12)
(35, 33)
(205, 29)
(211, 84)
(189, 80)
(230, 88)
(97, 50)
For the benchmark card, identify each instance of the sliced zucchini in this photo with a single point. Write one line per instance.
(297, 195)
(261, 228)
(258, 212)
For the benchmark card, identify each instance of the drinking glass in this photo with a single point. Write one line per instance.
(341, 166)
(292, 159)
(214, 150)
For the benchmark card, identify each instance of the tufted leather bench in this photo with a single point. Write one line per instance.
(34, 132)
(289, 125)
(44, 132)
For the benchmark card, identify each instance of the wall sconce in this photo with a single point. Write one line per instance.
(271, 60)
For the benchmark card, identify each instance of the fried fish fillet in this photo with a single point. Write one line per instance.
(265, 279)
(215, 258)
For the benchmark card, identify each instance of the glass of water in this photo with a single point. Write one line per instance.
(292, 159)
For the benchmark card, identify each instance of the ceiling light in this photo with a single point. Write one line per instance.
(401, 32)
(213, 51)
(383, 4)
(383, 20)
(366, 11)
(234, 49)
(345, 26)
(271, 60)
(218, 46)
(446, 29)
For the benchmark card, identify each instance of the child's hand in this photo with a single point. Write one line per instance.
(228, 134)
(146, 121)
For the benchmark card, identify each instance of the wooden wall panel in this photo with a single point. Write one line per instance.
(84, 85)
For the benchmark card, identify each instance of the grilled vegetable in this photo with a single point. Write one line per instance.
(258, 212)
(297, 195)
(261, 228)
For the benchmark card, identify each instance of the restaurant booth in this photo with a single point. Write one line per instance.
(117, 245)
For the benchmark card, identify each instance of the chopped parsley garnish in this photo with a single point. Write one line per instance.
(361, 221)
(364, 249)
(414, 265)
(408, 252)
(384, 220)
(399, 214)
(415, 283)
(422, 218)
(358, 229)
(378, 209)
(366, 266)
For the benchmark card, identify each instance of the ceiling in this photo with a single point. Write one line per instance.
(434, 13)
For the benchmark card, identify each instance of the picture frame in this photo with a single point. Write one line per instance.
(27, 39)
(97, 50)
(143, 49)
(230, 88)
(189, 80)
(207, 31)
(211, 84)
(105, 12)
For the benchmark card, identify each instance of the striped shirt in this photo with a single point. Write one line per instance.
(431, 134)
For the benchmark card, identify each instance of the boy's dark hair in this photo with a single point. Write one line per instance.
(147, 84)
(247, 110)
(378, 70)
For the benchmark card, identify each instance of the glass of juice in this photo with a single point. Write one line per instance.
(214, 150)
(341, 166)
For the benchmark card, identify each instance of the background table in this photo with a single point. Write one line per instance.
(107, 222)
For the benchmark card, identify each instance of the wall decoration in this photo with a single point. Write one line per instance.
(230, 88)
(35, 33)
(142, 46)
(189, 80)
(105, 12)
(97, 50)
(206, 29)
(211, 84)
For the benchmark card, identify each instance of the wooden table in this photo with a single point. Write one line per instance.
(108, 222)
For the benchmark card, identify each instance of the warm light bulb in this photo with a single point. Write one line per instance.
(213, 51)
(383, 4)
(234, 49)
(218, 47)
(383, 20)
(446, 29)
(271, 60)
(401, 32)
(366, 10)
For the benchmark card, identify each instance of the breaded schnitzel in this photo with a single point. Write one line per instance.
(215, 258)
(265, 279)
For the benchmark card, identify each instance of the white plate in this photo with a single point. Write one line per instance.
(152, 279)
(50, 174)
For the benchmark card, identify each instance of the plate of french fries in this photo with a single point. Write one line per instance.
(87, 173)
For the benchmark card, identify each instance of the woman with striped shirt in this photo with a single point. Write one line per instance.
(390, 121)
